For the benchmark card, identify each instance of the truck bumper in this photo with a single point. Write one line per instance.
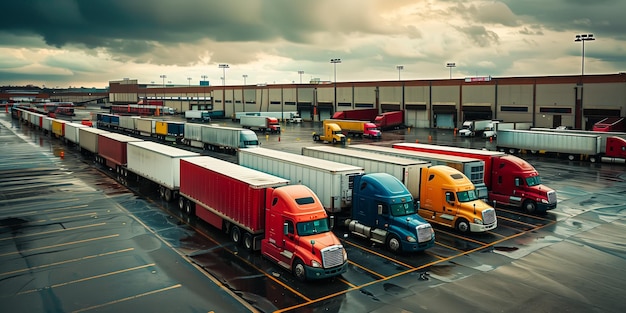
(313, 273)
(415, 246)
(543, 207)
(479, 228)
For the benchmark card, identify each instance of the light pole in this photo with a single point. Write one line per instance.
(163, 77)
(189, 79)
(300, 73)
(450, 65)
(582, 38)
(204, 77)
(224, 67)
(334, 62)
(244, 78)
(400, 68)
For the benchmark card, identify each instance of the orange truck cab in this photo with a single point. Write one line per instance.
(298, 234)
(449, 198)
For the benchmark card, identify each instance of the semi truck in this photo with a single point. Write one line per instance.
(389, 120)
(474, 169)
(358, 114)
(262, 212)
(491, 131)
(261, 123)
(445, 196)
(374, 206)
(510, 180)
(157, 163)
(356, 128)
(474, 128)
(227, 139)
(331, 132)
(574, 144)
(202, 116)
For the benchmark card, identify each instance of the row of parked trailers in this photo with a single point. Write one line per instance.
(212, 137)
(230, 197)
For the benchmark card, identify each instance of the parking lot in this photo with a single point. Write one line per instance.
(571, 259)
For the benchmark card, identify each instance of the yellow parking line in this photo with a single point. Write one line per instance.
(53, 231)
(60, 245)
(90, 278)
(130, 298)
(67, 261)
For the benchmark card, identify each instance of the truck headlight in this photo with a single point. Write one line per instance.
(411, 239)
(345, 255)
(544, 201)
(478, 221)
(314, 263)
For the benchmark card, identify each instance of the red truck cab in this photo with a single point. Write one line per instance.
(516, 182)
(298, 234)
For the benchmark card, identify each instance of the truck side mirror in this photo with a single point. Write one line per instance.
(312, 246)
(380, 209)
(517, 182)
(332, 221)
(285, 229)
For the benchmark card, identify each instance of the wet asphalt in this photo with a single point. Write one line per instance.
(73, 239)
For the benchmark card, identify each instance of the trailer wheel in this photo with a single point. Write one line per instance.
(167, 195)
(393, 243)
(593, 159)
(462, 225)
(235, 234)
(571, 157)
(512, 151)
(181, 203)
(299, 271)
(189, 208)
(248, 241)
(530, 206)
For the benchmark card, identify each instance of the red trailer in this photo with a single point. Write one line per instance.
(361, 115)
(112, 150)
(610, 124)
(286, 222)
(509, 179)
(389, 120)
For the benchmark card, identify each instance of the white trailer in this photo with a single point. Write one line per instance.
(492, 129)
(72, 132)
(228, 138)
(332, 182)
(569, 144)
(474, 128)
(474, 169)
(193, 135)
(406, 170)
(158, 163)
(279, 115)
(198, 115)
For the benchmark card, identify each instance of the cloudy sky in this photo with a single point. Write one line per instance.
(90, 42)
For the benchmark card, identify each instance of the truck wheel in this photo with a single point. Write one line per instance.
(334, 141)
(235, 234)
(299, 271)
(248, 241)
(189, 208)
(530, 206)
(167, 195)
(463, 225)
(316, 137)
(393, 243)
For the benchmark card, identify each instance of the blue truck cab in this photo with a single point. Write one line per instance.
(383, 211)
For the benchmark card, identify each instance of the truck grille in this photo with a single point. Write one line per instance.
(489, 216)
(332, 256)
(424, 233)
(552, 196)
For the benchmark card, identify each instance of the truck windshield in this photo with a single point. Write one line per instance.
(249, 143)
(313, 227)
(466, 196)
(533, 181)
(402, 209)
